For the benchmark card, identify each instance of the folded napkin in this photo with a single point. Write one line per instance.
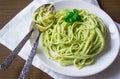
(15, 30)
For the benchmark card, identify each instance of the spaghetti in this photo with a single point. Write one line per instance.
(75, 43)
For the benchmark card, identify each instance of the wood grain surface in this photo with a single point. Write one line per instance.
(9, 8)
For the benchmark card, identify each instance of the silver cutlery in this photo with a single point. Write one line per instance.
(29, 60)
(26, 68)
(14, 53)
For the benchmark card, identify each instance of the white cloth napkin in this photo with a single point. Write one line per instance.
(15, 30)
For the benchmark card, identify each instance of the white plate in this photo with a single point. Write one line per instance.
(107, 56)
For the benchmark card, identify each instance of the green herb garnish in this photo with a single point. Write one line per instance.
(73, 16)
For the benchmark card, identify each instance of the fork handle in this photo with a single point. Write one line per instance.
(12, 55)
(28, 63)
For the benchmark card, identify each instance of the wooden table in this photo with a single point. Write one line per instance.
(9, 8)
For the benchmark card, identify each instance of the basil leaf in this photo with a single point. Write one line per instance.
(75, 11)
(73, 16)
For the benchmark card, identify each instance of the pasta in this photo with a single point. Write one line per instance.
(75, 43)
